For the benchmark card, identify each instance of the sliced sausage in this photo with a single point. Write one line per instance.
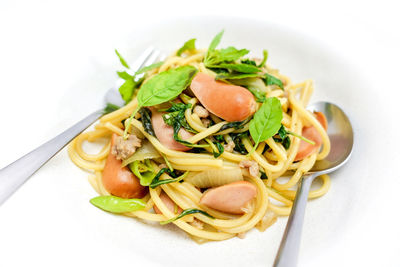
(229, 102)
(120, 181)
(230, 198)
(306, 149)
(167, 202)
(165, 133)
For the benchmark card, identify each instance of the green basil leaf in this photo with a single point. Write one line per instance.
(271, 80)
(188, 45)
(235, 124)
(126, 90)
(110, 108)
(266, 121)
(187, 212)
(265, 57)
(249, 62)
(124, 75)
(145, 114)
(118, 205)
(123, 62)
(235, 76)
(165, 86)
(224, 55)
(150, 67)
(258, 94)
(237, 139)
(220, 150)
(242, 68)
(156, 181)
(215, 42)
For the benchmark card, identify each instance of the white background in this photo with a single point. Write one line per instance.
(49, 47)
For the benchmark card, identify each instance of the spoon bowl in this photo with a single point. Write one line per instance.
(341, 136)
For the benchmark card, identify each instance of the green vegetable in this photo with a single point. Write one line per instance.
(110, 108)
(235, 124)
(187, 212)
(150, 67)
(265, 53)
(163, 87)
(189, 45)
(145, 114)
(234, 76)
(123, 62)
(258, 94)
(143, 170)
(217, 148)
(263, 175)
(124, 75)
(283, 137)
(126, 90)
(237, 139)
(215, 42)
(241, 68)
(271, 80)
(266, 121)
(248, 61)
(177, 115)
(156, 181)
(117, 204)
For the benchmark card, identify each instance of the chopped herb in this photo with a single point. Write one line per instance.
(123, 62)
(263, 175)
(219, 138)
(283, 137)
(156, 181)
(248, 61)
(145, 114)
(262, 64)
(235, 124)
(187, 212)
(217, 148)
(271, 80)
(189, 45)
(237, 139)
(110, 108)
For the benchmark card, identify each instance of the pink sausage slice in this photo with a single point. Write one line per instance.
(230, 198)
(306, 149)
(229, 102)
(165, 133)
(168, 202)
(120, 181)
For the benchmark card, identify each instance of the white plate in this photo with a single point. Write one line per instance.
(61, 220)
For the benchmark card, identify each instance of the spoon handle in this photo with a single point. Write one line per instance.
(289, 247)
(15, 174)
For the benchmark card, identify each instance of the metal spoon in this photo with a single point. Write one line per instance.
(340, 134)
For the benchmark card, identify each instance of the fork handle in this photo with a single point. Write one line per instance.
(15, 174)
(290, 244)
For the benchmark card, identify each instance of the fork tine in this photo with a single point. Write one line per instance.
(142, 59)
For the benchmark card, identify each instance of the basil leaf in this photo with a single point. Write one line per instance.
(110, 108)
(124, 75)
(237, 139)
(156, 181)
(126, 90)
(266, 121)
(123, 62)
(215, 42)
(220, 150)
(118, 205)
(248, 61)
(150, 67)
(283, 137)
(188, 45)
(271, 80)
(236, 125)
(265, 57)
(145, 114)
(243, 68)
(165, 86)
(187, 212)
(234, 76)
(258, 94)
(228, 54)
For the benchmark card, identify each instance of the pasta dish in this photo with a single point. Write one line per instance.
(211, 140)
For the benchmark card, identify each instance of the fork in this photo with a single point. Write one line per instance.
(17, 173)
